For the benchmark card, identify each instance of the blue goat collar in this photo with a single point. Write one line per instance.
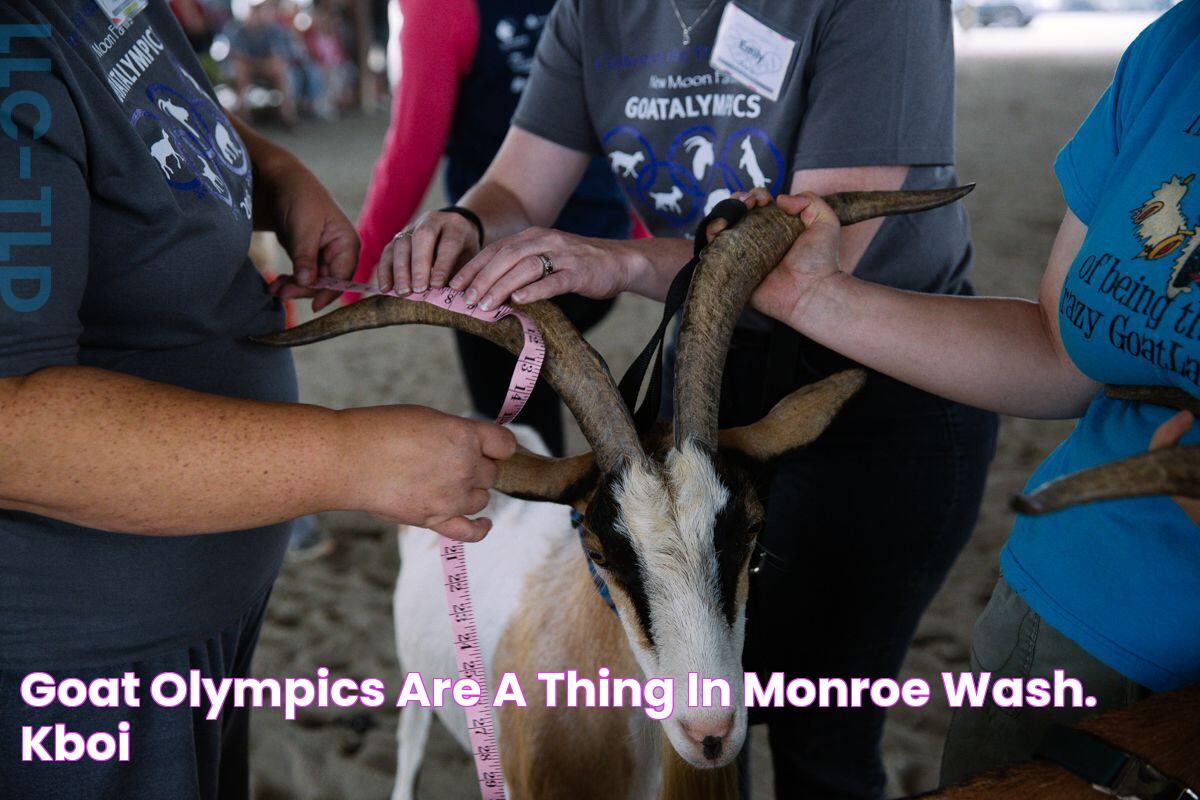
(597, 581)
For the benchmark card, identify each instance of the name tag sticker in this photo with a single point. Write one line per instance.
(754, 54)
(121, 11)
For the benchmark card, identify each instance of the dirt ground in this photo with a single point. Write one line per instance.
(1015, 111)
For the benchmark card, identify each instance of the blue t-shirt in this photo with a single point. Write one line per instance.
(1122, 578)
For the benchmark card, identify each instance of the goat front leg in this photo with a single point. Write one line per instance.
(412, 734)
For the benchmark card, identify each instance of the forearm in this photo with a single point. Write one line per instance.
(527, 185)
(993, 353)
(109, 451)
(651, 264)
(500, 209)
(399, 181)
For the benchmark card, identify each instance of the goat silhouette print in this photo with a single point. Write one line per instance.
(179, 113)
(626, 163)
(215, 182)
(703, 155)
(230, 149)
(749, 162)
(668, 201)
(164, 153)
(699, 169)
(1164, 230)
(714, 197)
(166, 147)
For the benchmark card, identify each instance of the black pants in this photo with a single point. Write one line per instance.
(489, 368)
(175, 753)
(862, 527)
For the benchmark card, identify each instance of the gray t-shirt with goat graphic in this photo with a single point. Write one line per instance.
(125, 206)
(870, 83)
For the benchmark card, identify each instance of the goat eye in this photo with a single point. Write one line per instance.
(595, 555)
(756, 527)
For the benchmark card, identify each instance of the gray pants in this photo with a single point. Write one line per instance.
(1011, 641)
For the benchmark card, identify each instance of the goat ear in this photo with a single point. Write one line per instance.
(528, 476)
(797, 420)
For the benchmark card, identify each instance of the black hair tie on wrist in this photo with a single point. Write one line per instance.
(470, 216)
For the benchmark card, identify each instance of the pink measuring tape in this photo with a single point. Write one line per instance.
(468, 656)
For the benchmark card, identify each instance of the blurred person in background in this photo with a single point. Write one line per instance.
(460, 67)
(261, 50)
(199, 20)
(307, 78)
(331, 66)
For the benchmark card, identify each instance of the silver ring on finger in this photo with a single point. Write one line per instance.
(402, 235)
(547, 265)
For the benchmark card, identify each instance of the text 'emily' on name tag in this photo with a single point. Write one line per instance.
(753, 53)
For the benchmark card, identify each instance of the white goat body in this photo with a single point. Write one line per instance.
(526, 538)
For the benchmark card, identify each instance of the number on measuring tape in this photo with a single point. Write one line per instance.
(459, 608)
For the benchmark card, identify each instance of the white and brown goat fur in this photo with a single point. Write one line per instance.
(669, 521)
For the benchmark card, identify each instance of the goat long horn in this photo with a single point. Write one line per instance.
(1161, 472)
(1158, 395)
(576, 371)
(730, 269)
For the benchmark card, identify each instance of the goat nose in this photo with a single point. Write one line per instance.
(709, 734)
(712, 747)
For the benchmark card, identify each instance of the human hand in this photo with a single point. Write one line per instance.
(813, 257)
(1167, 436)
(426, 253)
(313, 229)
(513, 268)
(417, 466)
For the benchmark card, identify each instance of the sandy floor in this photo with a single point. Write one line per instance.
(1015, 110)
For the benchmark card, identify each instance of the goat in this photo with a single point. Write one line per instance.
(669, 520)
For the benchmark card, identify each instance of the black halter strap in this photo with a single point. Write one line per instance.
(645, 415)
(1111, 771)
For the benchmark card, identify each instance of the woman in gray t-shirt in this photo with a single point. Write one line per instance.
(864, 100)
(151, 457)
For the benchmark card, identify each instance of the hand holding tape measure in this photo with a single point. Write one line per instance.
(468, 655)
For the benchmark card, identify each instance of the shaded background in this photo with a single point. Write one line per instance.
(1022, 92)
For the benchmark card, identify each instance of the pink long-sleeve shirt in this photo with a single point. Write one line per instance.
(437, 41)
